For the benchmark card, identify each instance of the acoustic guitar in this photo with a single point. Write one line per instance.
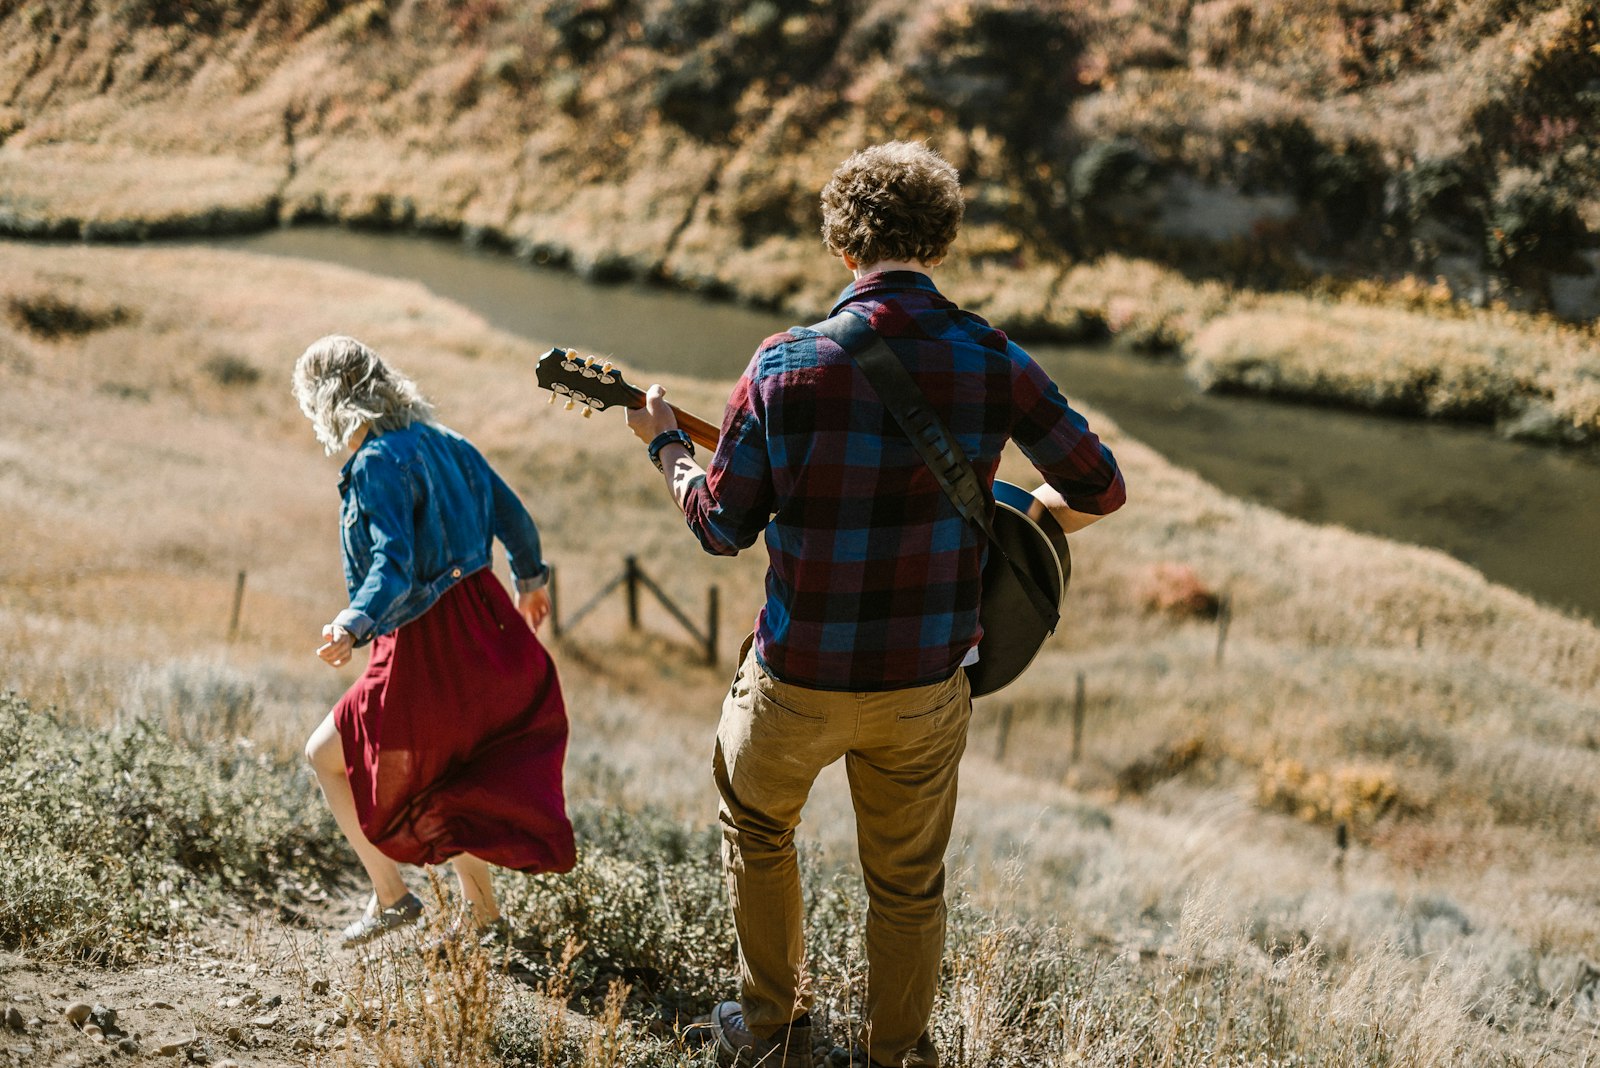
(1012, 628)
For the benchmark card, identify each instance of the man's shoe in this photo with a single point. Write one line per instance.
(403, 913)
(788, 1047)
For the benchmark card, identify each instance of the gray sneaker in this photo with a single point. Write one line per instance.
(788, 1047)
(403, 913)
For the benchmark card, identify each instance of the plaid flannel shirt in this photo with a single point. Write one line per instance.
(874, 580)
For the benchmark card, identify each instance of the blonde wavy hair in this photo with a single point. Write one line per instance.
(342, 385)
(895, 201)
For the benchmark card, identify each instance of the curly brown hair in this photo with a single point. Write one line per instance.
(895, 201)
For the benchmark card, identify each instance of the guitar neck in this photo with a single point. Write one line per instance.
(700, 432)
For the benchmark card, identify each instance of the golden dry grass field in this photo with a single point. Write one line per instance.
(1181, 876)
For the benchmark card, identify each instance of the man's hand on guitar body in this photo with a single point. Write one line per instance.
(1070, 519)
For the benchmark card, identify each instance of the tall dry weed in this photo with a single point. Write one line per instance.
(430, 999)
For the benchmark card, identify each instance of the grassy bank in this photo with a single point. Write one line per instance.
(641, 138)
(1177, 887)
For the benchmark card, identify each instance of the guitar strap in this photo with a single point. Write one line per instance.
(938, 448)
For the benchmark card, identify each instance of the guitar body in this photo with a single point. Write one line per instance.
(1012, 629)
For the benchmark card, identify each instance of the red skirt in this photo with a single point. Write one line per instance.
(455, 735)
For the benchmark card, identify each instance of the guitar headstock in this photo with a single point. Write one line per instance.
(592, 382)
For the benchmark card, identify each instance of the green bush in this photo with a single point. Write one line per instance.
(994, 64)
(111, 840)
(1533, 225)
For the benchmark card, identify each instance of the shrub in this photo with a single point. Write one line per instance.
(1357, 795)
(1176, 590)
(116, 838)
(51, 316)
(198, 702)
(993, 63)
(583, 26)
(1532, 225)
(1444, 189)
(230, 370)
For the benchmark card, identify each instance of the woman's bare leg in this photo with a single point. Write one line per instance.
(326, 754)
(477, 886)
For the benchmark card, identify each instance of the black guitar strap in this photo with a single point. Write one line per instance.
(939, 449)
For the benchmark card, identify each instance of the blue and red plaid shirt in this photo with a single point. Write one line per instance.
(874, 580)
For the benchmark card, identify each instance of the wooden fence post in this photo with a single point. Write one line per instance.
(631, 570)
(238, 607)
(1224, 617)
(1077, 719)
(555, 604)
(713, 610)
(1005, 733)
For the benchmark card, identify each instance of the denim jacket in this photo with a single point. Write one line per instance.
(421, 509)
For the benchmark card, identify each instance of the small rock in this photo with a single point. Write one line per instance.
(273, 1002)
(22, 999)
(22, 1051)
(159, 1005)
(839, 1056)
(77, 1013)
(106, 1019)
(35, 1022)
(231, 1003)
(172, 1047)
(320, 987)
(225, 1063)
(304, 1044)
(128, 1045)
(267, 1022)
(250, 999)
(14, 1019)
(322, 1029)
(235, 1034)
(94, 1032)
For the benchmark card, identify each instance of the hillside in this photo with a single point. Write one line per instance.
(1178, 888)
(1144, 173)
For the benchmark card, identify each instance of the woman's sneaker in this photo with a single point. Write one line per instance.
(403, 913)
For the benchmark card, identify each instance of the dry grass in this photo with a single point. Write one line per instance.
(1447, 722)
(1536, 379)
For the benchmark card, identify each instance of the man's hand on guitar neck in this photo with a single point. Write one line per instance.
(677, 464)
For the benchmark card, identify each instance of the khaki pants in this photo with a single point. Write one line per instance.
(902, 749)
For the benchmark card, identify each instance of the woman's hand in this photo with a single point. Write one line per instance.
(535, 607)
(337, 645)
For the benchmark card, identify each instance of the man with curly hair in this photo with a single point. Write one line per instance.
(872, 599)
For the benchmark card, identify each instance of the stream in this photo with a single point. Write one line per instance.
(1525, 515)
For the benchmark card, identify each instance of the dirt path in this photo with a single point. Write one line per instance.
(246, 990)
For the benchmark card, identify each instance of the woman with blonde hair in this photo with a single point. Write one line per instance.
(450, 744)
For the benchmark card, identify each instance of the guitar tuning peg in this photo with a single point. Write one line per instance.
(605, 368)
(587, 411)
(568, 406)
(552, 399)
